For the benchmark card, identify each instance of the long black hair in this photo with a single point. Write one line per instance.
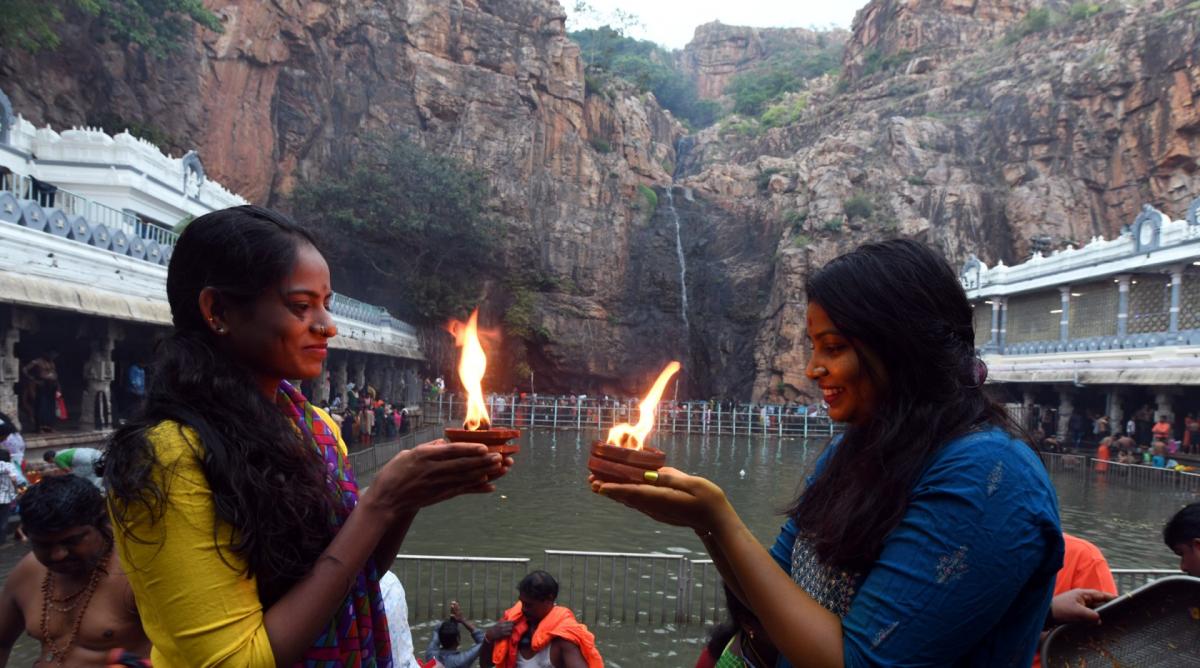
(267, 483)
(901, 301)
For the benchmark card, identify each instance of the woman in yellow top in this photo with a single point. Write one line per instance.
(234, 509)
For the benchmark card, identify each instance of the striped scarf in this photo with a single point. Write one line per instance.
(357, 636)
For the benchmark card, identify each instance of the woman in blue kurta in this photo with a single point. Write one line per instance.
(927, 535)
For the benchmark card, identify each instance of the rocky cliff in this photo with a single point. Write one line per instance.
(960, 122)
(289, 85)
(984, 146)
(719, 52)
(936, 27)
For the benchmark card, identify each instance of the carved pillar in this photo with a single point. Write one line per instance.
(320, 393)
(1116, 413)
(340, 373)
(412, 386)
(1176, 298)
(95, 410)
(387, 385)
(375, 374)
(1064, 320)
(1066, 406)
(1002, 304)
(15, 321)
(1027, 408)
(1123, 305)
(358, 371)
(1162, 397)
(994, 339)
(396, 395)
(10, 369)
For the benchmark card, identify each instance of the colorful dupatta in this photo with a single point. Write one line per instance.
(357, 636)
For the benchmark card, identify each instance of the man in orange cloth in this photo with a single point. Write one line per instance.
(544, 635)
(1083, 582)
(1103, 455)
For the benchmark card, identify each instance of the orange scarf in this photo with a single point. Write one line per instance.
(560, 623)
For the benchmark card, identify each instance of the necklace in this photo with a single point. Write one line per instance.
(758, 660)
(55, 654)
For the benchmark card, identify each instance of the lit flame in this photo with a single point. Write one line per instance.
(471, 366)
(634, 436)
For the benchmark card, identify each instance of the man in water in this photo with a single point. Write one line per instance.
(544, 635)
(70, 593)
(444, 644)
(1182, 535)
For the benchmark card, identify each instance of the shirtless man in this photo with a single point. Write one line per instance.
(70, 593)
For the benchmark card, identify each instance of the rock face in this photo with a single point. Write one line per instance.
(288, 86)
(892, 27)
(718, 52)
(1056, 137)
(970, 141)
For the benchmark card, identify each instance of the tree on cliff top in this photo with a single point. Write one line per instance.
(402, 226)
(158, 26)
(648, 67)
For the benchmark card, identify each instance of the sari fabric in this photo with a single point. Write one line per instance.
(357, 636)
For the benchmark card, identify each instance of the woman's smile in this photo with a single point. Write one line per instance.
(832, 394)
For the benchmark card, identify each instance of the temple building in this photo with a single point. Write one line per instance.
(88, 221)
(1111, 328)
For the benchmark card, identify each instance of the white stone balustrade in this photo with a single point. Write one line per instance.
(121, 171)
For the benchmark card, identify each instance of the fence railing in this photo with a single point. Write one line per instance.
(686, 417)
(367, 461)
(1129, 579)
(1091, 469)
(638, 588)
(629, 587)
(74, 204)
(483, 586)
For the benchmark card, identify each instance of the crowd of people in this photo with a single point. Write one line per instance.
(1143, 439)
(365, 418)
(231, 529)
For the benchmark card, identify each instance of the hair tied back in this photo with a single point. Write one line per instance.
(979, 372)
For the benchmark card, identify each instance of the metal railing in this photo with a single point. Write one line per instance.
(74, 204)
(653, 588)
(685, 417)
(1129, 579)
(349, 307)
(483, 586)
(367, 461)
(636, 588)
(1091, 469)
(1140, 475)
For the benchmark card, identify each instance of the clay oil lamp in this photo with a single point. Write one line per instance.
(477, 427)
(624, 457)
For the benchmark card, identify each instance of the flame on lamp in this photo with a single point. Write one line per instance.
(471, 366)
(634, 436)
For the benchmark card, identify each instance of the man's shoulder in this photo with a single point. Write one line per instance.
(25, 579)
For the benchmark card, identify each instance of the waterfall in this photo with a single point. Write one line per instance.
(682, 146)
(683, 309)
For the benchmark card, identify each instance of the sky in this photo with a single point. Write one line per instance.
(672, 22)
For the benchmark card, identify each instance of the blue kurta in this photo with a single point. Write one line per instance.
(967, 576)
